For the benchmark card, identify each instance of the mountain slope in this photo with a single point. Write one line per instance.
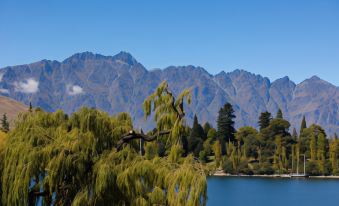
(11, 108)
(120, 83)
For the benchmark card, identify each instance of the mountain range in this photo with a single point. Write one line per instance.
(120, 83)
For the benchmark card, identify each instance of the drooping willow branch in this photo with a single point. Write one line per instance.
(180, 112)
(169, 114)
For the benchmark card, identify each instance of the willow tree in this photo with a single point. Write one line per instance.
(89, 159)
(168, 111)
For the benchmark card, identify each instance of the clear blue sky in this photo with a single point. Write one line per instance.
(273, 38)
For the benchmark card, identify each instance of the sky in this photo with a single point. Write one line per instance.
(295, 38)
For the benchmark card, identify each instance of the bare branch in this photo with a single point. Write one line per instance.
(133, 135)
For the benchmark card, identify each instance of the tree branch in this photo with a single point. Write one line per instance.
(133, 135)
(180, 113)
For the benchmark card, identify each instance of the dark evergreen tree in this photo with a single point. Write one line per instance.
(335, 136)
(303, 124)
(30, 107)
(294, 134)
(225, 124)
(279, 114)
(264, 120)
(207, 128)
(196, 138)
(4, 123)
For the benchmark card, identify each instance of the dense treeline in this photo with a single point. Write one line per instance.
(271, 150)
(91, 158)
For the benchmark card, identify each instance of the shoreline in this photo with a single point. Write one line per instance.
(223, 174)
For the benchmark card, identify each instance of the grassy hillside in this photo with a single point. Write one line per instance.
(11, 107)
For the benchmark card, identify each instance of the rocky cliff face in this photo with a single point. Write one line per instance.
(120, 83)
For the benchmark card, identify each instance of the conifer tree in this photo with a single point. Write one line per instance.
(294, 134)
(4, 123)
(196, 138)
(207, 127)
(264, 120)
(303, 124)
(225, 124)
(279, 114)
(30, 107)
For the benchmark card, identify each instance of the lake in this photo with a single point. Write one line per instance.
(252, 191)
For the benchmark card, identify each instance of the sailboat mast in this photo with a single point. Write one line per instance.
(298, 165)
(292, 163)
(304, 164)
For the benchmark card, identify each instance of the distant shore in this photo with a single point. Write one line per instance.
(223, 174)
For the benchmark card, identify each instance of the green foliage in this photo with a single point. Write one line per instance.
(212, 134)
(217, 153)
(4, 123)
(207, 127)
(63, 160)
(279, 114)
(249, 138)
(264, 120)
(30, 109)
(151, 150)
(169, 111)
(333, 150)
(196, 138)
(306, 137)
(225, 124)
(303, 125)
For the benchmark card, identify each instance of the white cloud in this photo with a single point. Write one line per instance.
(30, 85)
(4, 91)
(74, 90)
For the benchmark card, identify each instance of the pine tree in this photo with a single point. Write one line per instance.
(303, 124)
(294, 134)
(4, 123)
(207, 127)
(30, 107)
(196, 138)
(279, 114)
(264, 120)
(225, 124)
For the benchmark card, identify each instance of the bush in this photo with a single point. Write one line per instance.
(265, 169)
(312, 168)
(228, 167)
(202, 156)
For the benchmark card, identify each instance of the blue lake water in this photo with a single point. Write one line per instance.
(250, 191)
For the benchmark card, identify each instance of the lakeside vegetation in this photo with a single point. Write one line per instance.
(271, 150)
(91, 158)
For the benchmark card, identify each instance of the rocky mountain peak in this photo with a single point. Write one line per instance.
(125, 57)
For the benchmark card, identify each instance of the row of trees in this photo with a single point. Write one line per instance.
(270, 150)
(91, 158)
